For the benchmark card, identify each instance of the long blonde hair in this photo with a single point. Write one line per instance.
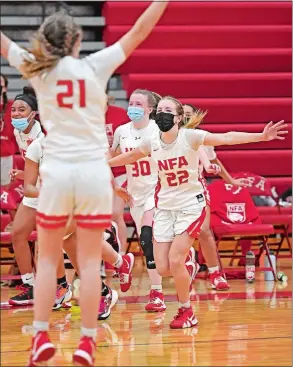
(54, 40)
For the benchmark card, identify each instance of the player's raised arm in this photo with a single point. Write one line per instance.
(143, 26)
(5, 44)
(271, 132)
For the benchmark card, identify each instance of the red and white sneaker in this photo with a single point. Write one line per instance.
(125, 272)
(42, 349)
(156, 302)
(218, 282)
(191, 255)
(106, 304)
(84, 354)
(192, 269)
(185, 318)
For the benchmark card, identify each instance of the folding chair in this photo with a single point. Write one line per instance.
(280, 218)
(235, 217)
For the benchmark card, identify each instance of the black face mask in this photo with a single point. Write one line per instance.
(186, 120)
(165, 121)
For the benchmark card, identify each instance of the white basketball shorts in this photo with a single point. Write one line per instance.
(168, 224)
(82, 190)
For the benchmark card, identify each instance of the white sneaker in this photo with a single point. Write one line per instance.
(63, 296)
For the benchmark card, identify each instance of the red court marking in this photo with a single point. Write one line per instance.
(211, 297)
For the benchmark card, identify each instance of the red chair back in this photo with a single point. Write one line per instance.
(18, 161)
(17, 189)
(231, 205)
(7, 200)
(258, 185)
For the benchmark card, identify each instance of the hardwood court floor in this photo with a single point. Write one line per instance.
(248, 326)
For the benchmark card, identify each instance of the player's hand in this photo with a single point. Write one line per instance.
(241, 182)
(16, 174)
(274, 131)
(124, 195)
(213, 168)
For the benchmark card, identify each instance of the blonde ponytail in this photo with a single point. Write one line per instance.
(54, 40)
(196, 119)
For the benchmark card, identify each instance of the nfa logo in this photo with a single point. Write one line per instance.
(236, 212)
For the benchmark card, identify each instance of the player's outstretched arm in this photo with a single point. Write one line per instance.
(127, 158)
(5, 44)
(271, 132)
(143, 26)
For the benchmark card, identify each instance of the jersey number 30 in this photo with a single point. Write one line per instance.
(141, 168)
(65, 98)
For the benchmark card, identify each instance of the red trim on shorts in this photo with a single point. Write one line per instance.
(194, 229)
(51, 221)
(93, 217)
(124, 185)
(157, 190)
(51, 225)
(92, 224)
(93, 221)
(206, 192)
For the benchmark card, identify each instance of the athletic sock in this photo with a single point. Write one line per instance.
(184, 305)
(105, 290)
(28, 278)
(90, 333)
(213, 269)
(119, 262)
(40, 326)
(157, 288)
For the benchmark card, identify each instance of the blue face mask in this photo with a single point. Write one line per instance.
(135, 114)
(20, 124)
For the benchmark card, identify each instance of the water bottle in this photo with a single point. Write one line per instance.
(282, 277)
(268, 273)
(250, 267)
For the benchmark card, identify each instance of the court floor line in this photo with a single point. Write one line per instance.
(212, 296)
(196, 297)
(168, 343)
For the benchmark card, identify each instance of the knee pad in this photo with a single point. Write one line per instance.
(146, 241)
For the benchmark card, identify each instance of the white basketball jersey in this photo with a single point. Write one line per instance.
(142, 176)
(178, 187)
(72, 102)
(24, 140)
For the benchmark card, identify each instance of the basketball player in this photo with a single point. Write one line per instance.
(141, 182)
(180, 196)
(193, 117)
(109, 297)
(26, 129)
(76, 179)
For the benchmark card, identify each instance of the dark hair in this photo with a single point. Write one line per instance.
(4, 94)
(28, 95)
(197, 117)
(154, 111)
(55, 39)
(194, 109)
